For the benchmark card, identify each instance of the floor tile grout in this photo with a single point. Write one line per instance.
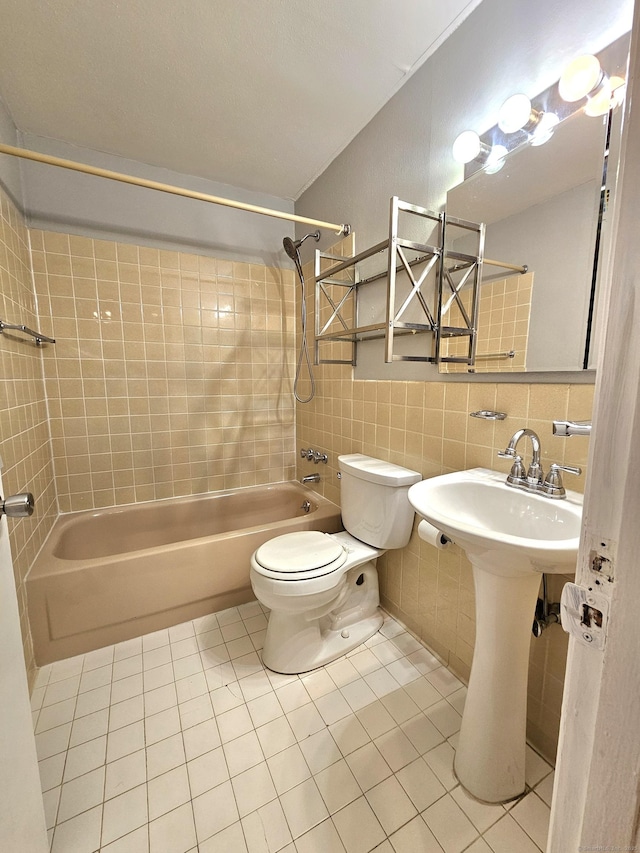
(302, 714)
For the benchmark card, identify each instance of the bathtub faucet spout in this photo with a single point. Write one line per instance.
(310, 478)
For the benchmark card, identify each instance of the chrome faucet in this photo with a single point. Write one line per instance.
(517, 476)
(533, 480)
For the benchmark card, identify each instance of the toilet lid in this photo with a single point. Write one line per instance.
(306, 551)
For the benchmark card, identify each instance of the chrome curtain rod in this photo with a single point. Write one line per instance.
(74, 166)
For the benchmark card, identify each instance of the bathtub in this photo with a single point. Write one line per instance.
(110, 575)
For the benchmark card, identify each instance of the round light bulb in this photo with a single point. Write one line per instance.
(466, 147)
(544, 128)
(495, 160)
(580, 77)
(514, 114)
(606, 98)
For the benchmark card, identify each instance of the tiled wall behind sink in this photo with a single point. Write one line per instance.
(172, 372)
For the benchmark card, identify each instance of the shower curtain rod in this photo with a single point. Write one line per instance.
(49, 160)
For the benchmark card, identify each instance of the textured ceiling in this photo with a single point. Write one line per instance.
(260, 94)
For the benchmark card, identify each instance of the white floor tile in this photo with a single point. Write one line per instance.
(206, 750)
(304, 808)
(396, 749)
(200, 739)
(288, 769)
(440, 760)
(481, 815)
(81, 834)
(305, 721)
(420, 783)
(122, 714)
(233, 724)
(125, 813)
(161, 726)
(253, 789)
(53, 741)
(506, 836)
(415, 836)
(333, 707)
(320, 751)
(338, 786)
(293, 695)
(275, 736)
(323, 838)
(444, 681)
(544, 789)
(446, 820)
(422, 733)
(207, 771)
(349, 734)
(214, 811)
(125, 774)
(533, 816)
(165, 755)
(134, 842)
(81, 794)
(242, 753)
(391, 805)
(51, 770)
(229, 840)
(125, 740)
(376, 719)
(168, 791)
(88, 756)
(266, 830)
(368, 766)
(358, 827)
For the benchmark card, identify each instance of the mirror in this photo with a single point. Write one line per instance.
(541, 210)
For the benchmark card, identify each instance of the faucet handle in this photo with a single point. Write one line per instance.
(517, 474)
(553, 485)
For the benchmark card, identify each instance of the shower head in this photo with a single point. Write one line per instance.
(291, 246)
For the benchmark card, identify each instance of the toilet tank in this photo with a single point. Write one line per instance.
(373, 498)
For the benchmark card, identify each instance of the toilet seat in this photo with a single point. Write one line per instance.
(299, 556)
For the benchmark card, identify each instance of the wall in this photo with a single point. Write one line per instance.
(171, 372)
(24, 434)
(61, 200)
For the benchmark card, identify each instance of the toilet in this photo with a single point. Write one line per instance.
(322, 588)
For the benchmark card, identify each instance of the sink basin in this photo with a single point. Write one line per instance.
(510, 537)
(514, 530)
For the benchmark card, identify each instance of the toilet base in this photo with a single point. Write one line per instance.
(295, 645)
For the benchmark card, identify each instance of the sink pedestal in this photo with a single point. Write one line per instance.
(490, 756)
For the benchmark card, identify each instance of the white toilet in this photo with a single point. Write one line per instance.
(321, 588)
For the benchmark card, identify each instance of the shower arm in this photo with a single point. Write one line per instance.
(343, 229)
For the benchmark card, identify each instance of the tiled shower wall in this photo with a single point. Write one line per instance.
(426, 426)
(171, 375)
(24, 434)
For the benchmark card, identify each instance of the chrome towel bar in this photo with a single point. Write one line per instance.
(39, 337)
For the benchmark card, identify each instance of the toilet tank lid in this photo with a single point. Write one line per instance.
(377, 470)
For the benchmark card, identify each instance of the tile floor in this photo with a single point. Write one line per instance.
(180, 741)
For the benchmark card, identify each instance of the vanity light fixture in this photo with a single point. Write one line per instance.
(495, 160)
(609, 97)
(517, 114)
(543, 131)
(582, 78)
(468, 146)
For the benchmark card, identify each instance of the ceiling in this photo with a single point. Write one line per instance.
(259, 94)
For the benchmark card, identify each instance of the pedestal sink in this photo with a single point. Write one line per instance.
(510, 537)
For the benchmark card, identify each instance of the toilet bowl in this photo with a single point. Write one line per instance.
(322, 589)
